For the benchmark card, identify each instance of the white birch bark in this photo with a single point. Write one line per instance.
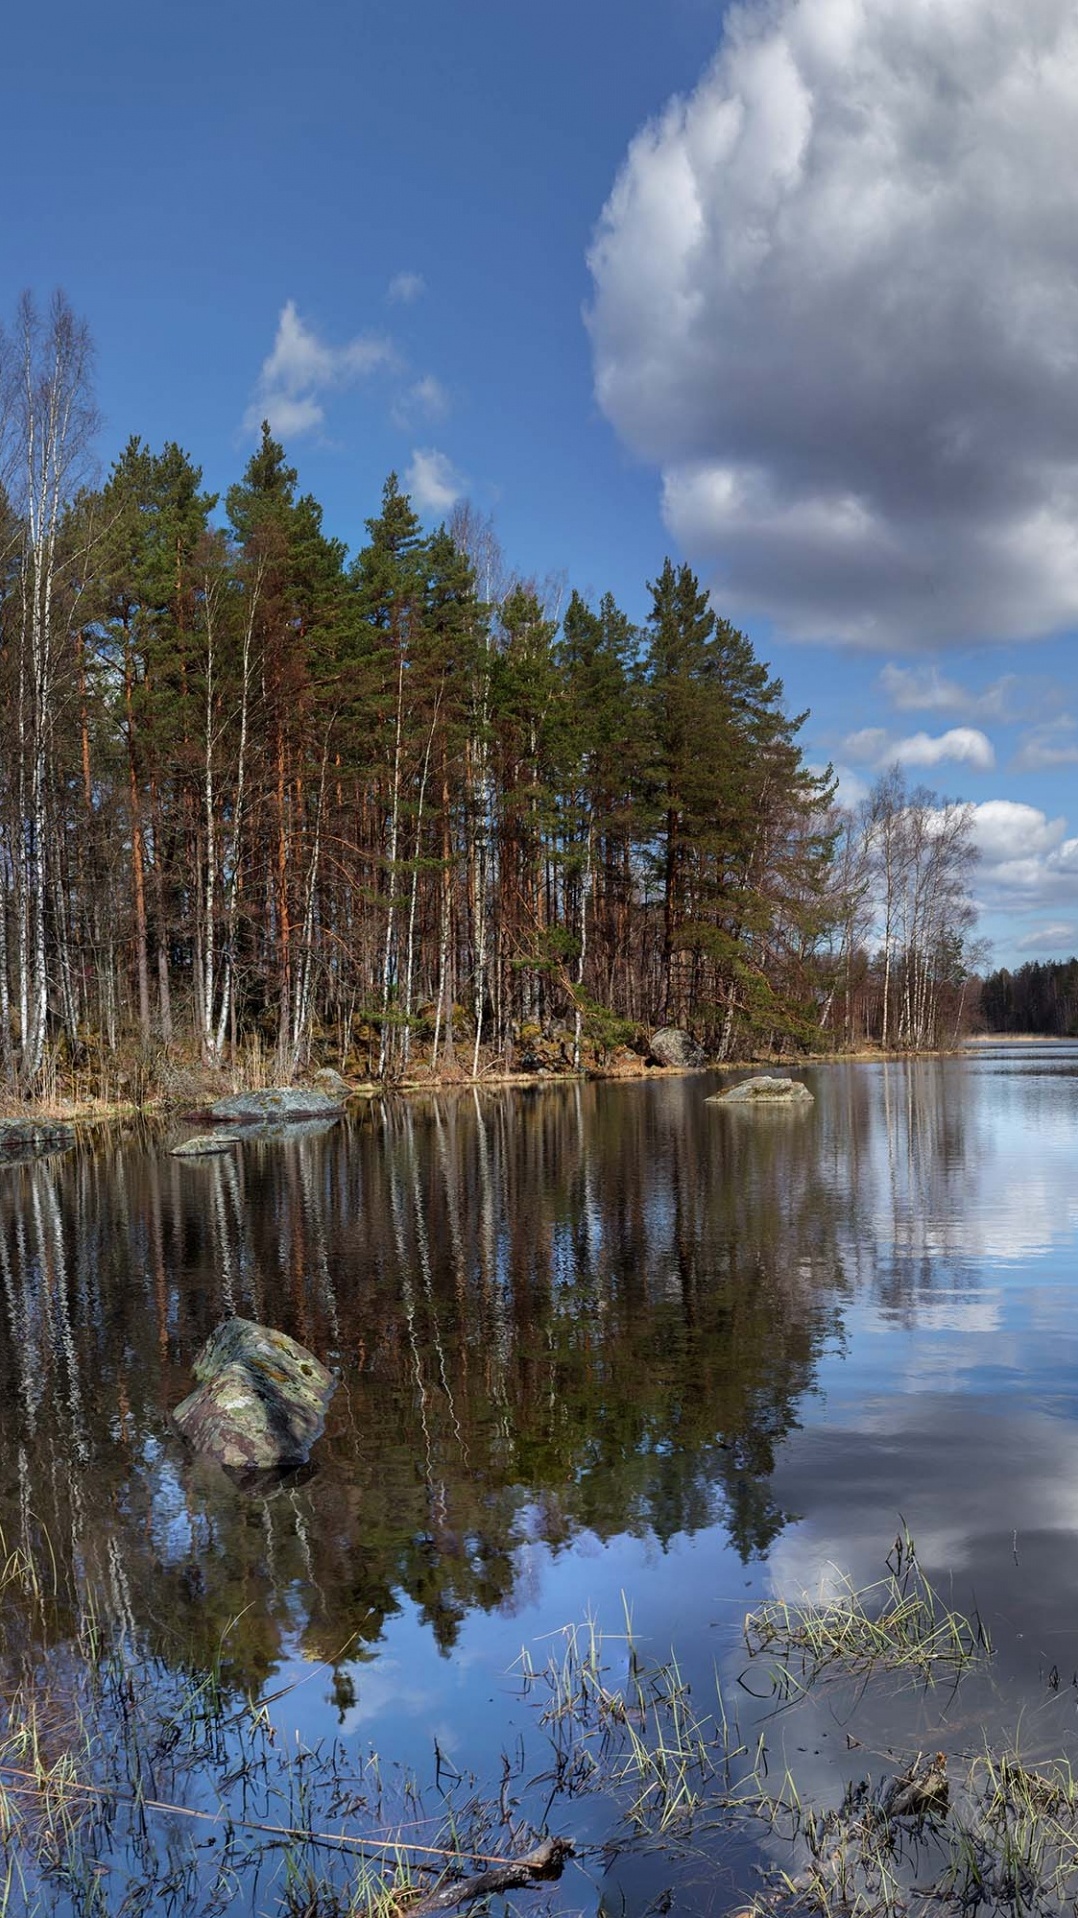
(49, 418)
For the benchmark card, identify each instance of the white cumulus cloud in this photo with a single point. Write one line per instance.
(1028, 862)
(1010, 833)
(962, 743)
(301, 369)
(965, 745)
(834, 303)
(432, 480)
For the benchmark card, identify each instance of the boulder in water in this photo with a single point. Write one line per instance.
(764, 1091)
(261, 1398)
(673, 1046)
(278, 1105)
(205, 1145)
(23, 1139)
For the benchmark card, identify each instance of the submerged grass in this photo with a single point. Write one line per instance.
(127, 1788)
(897, 1624)
(1002, 1839)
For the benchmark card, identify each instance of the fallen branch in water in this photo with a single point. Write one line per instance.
(540, 1866)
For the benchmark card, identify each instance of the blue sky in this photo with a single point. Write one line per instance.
(830, 354)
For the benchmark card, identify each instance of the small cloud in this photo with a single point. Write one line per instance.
(432, 481)
(287, 417)
(1053, 938)
(301, 367)
(867, 745)
(962, 743)
(403, 288)
(926, 689)
(427, 399)
(1045, 747)
(873, 745)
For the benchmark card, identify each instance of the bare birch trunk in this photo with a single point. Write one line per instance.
(394, 832)
(52, 419)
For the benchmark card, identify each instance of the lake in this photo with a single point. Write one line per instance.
(606, 1354)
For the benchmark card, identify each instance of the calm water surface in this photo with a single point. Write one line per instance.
(599, 1346)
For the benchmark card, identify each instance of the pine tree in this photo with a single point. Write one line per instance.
(297, 576)
(741, 832)
(388, 580)
(154, 520)
(599, 753)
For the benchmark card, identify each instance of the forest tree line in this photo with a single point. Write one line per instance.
(402, 805)
(1040, 997)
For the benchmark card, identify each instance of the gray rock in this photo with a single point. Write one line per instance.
(764, 1091)
(672, 1046)
(23, 1139)
(260, 1401)
(278, 1104)
(204, 1145)
(328, 1080)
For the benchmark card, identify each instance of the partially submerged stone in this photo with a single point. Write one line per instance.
(764, 1091)
(261, 1398)
(205, 1145)
(673, 1046)
(24, 1139)
(277, 1105)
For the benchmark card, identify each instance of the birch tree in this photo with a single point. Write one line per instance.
(48, 423)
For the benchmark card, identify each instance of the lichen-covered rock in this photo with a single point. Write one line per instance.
(672, 1046)
(205, 1145)
(328, 1080)
(764, 1091)
(260, 1401)
(277, 1105)
(23, 1139)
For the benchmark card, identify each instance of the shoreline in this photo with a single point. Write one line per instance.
(91, 1115)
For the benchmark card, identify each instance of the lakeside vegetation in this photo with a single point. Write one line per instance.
(264, 801)
(168, 1789)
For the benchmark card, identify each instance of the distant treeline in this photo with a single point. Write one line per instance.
(1042, 996)
(256, 791)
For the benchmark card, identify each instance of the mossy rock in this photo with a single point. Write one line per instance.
(764, 1091)
(23, 1139)
(278, 1105)
(260, 1401)
(204, 1145)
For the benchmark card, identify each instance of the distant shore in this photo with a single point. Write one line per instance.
(1014, 1039)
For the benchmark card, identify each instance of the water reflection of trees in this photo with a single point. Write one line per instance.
(912, 1142)
(592, 1307)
